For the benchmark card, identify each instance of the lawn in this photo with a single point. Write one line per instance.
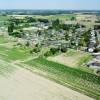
(3, 39)
(15, 53)
(77, 79)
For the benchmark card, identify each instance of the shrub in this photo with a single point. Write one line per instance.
(63, 49)
(54, 50)
(48, 53)
(36, 50)
(27, 44)
(97, 50)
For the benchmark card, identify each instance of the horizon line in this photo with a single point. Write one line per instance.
(52, 9)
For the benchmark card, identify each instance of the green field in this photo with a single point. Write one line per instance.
(3, 40)
(12, 54)
(3, 18)
(74, 78)
(53, 17)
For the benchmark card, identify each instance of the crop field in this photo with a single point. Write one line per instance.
(74, 59)
(77, 79)
(5, 69)
(53, 17)
(17, 83)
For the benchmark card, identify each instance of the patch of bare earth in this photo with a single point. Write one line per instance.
(24, 85)
(66, 60)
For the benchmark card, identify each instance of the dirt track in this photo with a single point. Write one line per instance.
(24, 85)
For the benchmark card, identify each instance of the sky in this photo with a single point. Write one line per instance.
(51, 4)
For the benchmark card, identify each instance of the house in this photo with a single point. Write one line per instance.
(92, 43)
(95, 63)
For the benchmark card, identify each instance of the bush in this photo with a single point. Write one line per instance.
(63, 49)
(19, 44)
(48, 53)
(54, 50)
(43, 20)
(17, 34)
(97, 50)
(36, 50)
(27, 44)
(51, 52)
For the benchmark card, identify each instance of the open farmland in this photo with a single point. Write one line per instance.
(20, 84)
(54, 17)
(74, 78)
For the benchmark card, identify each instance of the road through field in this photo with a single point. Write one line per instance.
(21, 84)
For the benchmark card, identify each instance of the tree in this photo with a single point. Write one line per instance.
(73, 18)
(30, 19)
(17, 34)
(64, 27)
(66, 36)
(63, 49)
(48, 53)
(43, 20)
(36, 50)
(27, 44)
(85, 39)
(39, 32)
(10, 27)
(56, 24)
(54, 50)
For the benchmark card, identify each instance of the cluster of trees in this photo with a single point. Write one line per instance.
(10, 27)
(55, 50)
(56, 24)
(16, 21)
(30, 19)
(85, 38)
(17, 34)
(11, 31)
(35, 50)
(43, 20)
